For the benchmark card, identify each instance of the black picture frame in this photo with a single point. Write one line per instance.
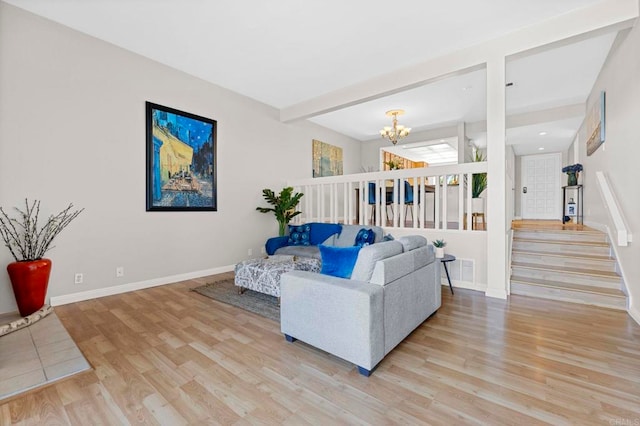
(181, 160)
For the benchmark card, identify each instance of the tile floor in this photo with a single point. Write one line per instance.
(36, 355)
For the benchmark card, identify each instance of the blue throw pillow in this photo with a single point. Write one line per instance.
(338, 261)
(365, 237)
(299, 235)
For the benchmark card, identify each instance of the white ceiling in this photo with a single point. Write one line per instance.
(288, 51)
(549, 79)
(455, 99)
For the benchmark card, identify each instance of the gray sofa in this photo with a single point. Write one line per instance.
(394, 287)
(345, 238)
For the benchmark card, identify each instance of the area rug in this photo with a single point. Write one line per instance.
(225, 291)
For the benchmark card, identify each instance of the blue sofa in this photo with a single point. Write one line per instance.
(328, 234)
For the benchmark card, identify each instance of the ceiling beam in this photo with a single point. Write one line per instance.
(447, 130)
(610, 15)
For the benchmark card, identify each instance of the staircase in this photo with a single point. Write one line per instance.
(568, 265)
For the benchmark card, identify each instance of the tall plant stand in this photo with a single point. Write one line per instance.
(567, 191)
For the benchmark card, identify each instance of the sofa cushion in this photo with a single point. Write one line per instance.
(338, 261)
(369, 255)
(300, 251)
(299, 235)
(393, 268)
(410, 242)
(365, 237)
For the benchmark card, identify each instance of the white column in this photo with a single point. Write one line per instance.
(462, 143)
(497, 278)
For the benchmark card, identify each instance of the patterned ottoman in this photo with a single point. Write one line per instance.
(263, 275)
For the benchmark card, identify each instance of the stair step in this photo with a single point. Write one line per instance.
(589, 295)
(582, 256)
(564, 242)
(575, 260)
(561, 274)
(607, 275)
(593, 236)
(562, 247)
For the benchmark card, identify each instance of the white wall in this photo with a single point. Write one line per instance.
(463, 245)
(72, 129)
(619, 156)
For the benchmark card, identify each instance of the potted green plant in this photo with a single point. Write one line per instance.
(394, 163)
(439, 245)
(284, 206)
(478, 185)
(28, 242)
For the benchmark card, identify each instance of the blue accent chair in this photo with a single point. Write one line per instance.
(408, 198)
(372, 200)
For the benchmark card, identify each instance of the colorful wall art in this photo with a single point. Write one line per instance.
(594, 125)
(181, 160)
(327, 159)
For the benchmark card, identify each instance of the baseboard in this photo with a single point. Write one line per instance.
(140, 285)
(634, 313)
(597, 226)
(496, 293)
(464, 284)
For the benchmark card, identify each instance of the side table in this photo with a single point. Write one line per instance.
(446, 259)
(577, 211)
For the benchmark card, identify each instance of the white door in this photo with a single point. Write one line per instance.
(541, 192)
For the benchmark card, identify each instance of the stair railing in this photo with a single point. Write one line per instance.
(346, 198)
(623, 235)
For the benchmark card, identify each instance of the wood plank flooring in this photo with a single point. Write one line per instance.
(548, 225)
(170, 356)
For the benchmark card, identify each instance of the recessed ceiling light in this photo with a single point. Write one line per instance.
(542, 133)
(541, 148)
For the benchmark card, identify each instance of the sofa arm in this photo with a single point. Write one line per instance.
(340, 316)
(275, 243)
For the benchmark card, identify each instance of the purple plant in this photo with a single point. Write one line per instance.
(574, 168)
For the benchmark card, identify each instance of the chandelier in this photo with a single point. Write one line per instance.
(396, 132)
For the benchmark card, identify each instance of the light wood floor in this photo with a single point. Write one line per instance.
(169, 356)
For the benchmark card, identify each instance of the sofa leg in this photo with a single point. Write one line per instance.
(241, 290)
(364, 371)
(290, 338)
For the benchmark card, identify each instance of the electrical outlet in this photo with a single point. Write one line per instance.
(79, 278)
(120, 271)
(263, 250)
(250, 252)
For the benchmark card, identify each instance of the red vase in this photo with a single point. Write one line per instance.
(29, 280)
